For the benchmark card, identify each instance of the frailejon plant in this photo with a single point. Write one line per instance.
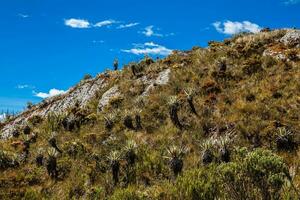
(53, 142)
(128, 121)
(207, 151)
(114, 159)
(138, 120)
(51, 163)
(174, 106)
(109, 120)
(116, 64)
(39, 159)
(224, 151)
(130, 152)
(7, 160)
(190, 95)
(130, 156)
(285, 139)
(175, 156)
(27, 130)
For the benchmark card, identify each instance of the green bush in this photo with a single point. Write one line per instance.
(259, 175)
(129, 193)
(197, 184)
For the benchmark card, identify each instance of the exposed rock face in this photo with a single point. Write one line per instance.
(81, 94)
(290, 41)
(112, 92)
(291, 38)
(162, 79)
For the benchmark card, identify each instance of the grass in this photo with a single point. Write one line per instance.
(253, 96)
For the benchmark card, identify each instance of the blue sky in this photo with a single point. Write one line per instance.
(46, 46)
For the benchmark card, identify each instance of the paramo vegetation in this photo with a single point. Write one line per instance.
(223, 125)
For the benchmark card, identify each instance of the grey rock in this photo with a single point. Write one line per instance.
(291, 38)
(81, 94)
(162, 79)
(107, 96)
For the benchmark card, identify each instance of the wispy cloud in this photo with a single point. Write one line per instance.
(25, 86)
(51, 93)
(122, 26)
(2, 117)
(98, 41)
(77, 23)
(291, 2)
(149, 31)
(106, 23)
(230, 28)
(23, 15)
(149, 48)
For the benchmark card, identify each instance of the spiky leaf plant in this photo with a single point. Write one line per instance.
(7, 160)
(70, 122)
(51, 163)
(26, 144)
(39, 159)
(174, 106)
(128, 121)
(224, 149)
(114, 162)
(221, 65)
(175, 156)
(27, 130)
(207, 151)
(53, 142)
(130, 152)
(137, 116)
(190, 92)
(285, 139)
(109, 120)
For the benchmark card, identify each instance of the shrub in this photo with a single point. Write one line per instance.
(257, 175)
(87, 76)
(197, 184)
(125, 194)
(7, 160)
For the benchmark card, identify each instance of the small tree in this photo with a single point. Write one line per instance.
(29, 105)
(116, 64)
(87, 76)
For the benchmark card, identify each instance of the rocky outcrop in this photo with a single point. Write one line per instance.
(106, 97)
(162, 79)
(80, 94)
(291, 38)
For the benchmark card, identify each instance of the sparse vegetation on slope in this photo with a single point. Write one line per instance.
(220, 122)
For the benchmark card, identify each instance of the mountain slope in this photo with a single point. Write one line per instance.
(146, 131)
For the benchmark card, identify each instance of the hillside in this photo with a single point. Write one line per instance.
(220, 122)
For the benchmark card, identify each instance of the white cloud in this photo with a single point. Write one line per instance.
(149, 48)
(2, 117)
(122, 26)
(77, 23)
(231, 28)
(291, 2)
(106, 23)
(25, 86)
(150, 32)
(51, 93)
(23, 15)
(98, 41)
